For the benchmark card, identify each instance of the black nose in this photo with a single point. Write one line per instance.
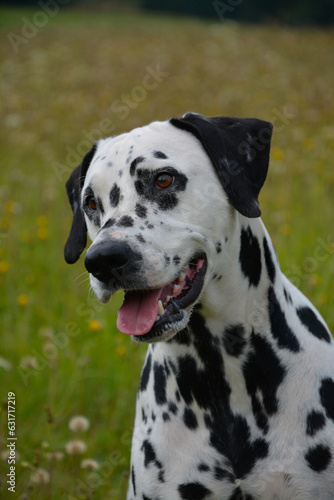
(107, 259)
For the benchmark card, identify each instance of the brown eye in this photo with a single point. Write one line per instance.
(164, 180)
(92, 204)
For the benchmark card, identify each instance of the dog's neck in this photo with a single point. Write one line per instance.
(222, 326)
(234, 305)
(239, 295)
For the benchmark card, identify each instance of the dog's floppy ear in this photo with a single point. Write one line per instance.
(239, 150)
(77, 238)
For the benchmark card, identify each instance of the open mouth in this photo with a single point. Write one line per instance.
(151, 314)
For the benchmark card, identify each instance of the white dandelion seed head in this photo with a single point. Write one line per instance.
(5, 454)
(79, 423)
(75, 447)
(29, 362)
(89, 463)
(55, 455)
(40, 476)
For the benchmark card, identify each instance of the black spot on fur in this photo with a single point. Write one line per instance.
(146, 373)
(159, 384)
(133, 478)
(160, 155)
(279, 326)
(315, 421)
(172, 408)
(149, 225)
(250, 256)
(230, 434)
(149, 455)
(234, 339)
(165, 416)
(140, 238)
(129, 155)
(190, 419)
(269, 261)
(134, 164)
(109, 164)
(125, 221)
(203, 385)
(109, 223)
(203, 467)
(176, 260)
(193, 491)
(313, 324)
(263, 373)
(114, 195)
(287, 296)
(218, 247)
(318, 457)
(141, 211)
(327, 396)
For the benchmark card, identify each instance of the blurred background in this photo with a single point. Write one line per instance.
(73, 72)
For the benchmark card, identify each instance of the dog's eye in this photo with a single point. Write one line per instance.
(92, 205)
(164, 180)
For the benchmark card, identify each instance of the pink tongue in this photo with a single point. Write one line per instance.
(138, 312)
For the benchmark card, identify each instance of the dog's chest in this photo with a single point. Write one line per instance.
(196, 433)
(187, 438)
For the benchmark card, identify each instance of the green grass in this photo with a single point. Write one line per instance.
(58, 88)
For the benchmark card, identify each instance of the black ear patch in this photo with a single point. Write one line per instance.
(77, 238)
(239, 150)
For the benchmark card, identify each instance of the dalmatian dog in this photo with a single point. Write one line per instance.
(236, 397)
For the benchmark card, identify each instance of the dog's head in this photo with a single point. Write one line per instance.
(157, 203)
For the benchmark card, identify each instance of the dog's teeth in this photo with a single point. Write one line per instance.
(168, 298)
(161, 308)
(176, 288)
(182, 276)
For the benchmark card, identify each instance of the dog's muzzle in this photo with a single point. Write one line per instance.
(147, 313)
(107, 261)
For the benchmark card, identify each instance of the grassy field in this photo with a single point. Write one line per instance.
(66, 80)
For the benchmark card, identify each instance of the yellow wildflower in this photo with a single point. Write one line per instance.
(43, 233)
(42, 221)
(4, 266)
(277, 154)
(285, 229)
(308, 143)
(121, 350)
(95, 325)
(5, 221)
(13, 207)
(22, 299)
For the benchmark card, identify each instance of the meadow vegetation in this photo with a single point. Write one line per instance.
(81, 76)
